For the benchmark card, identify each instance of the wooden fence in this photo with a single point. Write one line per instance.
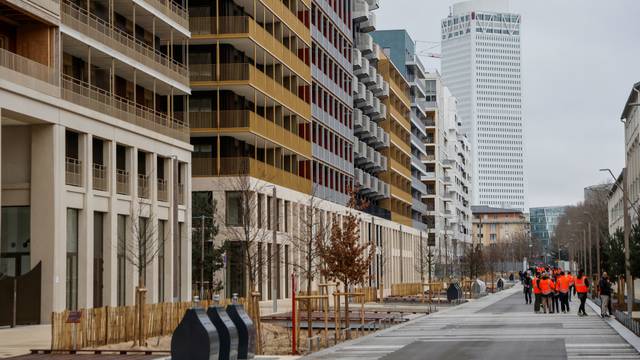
(112, 325)
(370, 293)
(406, 289)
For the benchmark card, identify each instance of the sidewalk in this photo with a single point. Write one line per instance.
(21, 339)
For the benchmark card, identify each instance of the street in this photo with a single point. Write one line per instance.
(497, 327)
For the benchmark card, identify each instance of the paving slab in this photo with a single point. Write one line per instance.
(498, 326)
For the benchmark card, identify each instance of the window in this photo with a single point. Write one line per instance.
(15, 243)
(177, 263)
(98, 259)
(260, 200)
(161, 243)
(234, 208)
(122, 271)
(72, 260)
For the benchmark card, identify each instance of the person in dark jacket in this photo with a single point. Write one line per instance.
(527, 283)
(605, 295)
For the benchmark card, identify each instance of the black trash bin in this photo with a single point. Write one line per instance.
(500, 284)
(227, 332)
(246, 331)
(195, 338)
(454, 292)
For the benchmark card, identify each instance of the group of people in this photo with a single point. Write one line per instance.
(552, 289)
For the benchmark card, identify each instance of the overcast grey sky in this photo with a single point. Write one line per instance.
(580, 59)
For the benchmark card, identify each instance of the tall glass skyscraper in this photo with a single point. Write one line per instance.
(543, 225)
(481, 67)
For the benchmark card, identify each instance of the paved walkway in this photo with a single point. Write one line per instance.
(496, 327)
(21, 339)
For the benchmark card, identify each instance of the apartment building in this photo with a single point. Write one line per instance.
(497, 225)
(272, 115)
(615, 206)
(95, 144)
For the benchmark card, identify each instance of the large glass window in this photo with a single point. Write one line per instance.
(15, 244)
(161, 243)
(72, 260)
(98, 258)
(233, 208)
(122, 260)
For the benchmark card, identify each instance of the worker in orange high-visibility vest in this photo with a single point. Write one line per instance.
(546, 290)
(582, 288)
(564, 282)
(536, 293)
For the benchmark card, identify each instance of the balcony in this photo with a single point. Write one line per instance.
(244, 166)
(212, 75)
(100, 177)
(73, 171)
(181, 198)
(172, 10)
(364, 43)
(95, 98)
(91, 25)
(235, 121)
(25, 66)
(428, 158)
(163, 193)
(143, 186)
(245, 26)
(122, 182)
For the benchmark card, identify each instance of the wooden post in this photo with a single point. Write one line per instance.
(336, 308)
(362, 313)
(325, 309)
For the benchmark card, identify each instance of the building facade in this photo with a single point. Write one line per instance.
(496, 225)
(95, 144)
(481, 65)
(543, 225)
(289, 112)
(615, 206)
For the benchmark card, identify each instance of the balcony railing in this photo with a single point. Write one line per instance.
(28, 67)
(100, 181)
(95, 98)
(143, 186)
(247, 27)
(181, 194)
(174, 11)
(239, 166)
(73, 171)
(163, 194)
(236, 72)
(122, 182)
(99, 29)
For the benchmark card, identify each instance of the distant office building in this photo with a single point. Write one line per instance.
(481, 66)
(615, 210)
(543, 224)
(497, 225)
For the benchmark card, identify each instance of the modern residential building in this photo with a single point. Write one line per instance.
(497, 225)
(543, 225)
(615, 207)
(631, 117)
(370, 90)
(481, 54)
(95, 144)
(279, 120)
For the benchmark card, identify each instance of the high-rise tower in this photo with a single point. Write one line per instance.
(481, 55)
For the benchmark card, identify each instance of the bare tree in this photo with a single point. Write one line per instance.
(140, 249)
(313, 230)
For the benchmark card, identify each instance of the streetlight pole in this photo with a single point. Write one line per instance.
(201, 257)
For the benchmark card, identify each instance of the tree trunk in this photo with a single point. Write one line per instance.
(347, 319)
(140, 299)
(309, 269)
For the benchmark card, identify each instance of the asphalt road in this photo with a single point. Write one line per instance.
(496, 327)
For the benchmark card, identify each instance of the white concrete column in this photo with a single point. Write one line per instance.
(48, 215)
(111, 232)
(131, 280)
(170, 281)
(186, 233)
(152, 268)
(85, 227)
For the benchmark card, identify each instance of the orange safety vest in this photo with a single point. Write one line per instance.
(546, 286)
(563, 284)
(571, 279)
(581, 287)
(536, 289)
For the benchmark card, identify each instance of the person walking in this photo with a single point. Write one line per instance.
(605, 295)
(582, 288)
(527, 282)
(572, 287)
(555, 295)
(564, 282)
(546, 289)
(535, 285)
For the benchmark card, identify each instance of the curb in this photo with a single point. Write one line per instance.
(626, 334)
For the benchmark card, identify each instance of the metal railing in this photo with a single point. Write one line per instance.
(28, 67)
(627, 321)
(93, 97)
(90, 24)
(163, 194)
(100, 181)
(143, 186)
(176, 12)
(73, 171)
(122, 182)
